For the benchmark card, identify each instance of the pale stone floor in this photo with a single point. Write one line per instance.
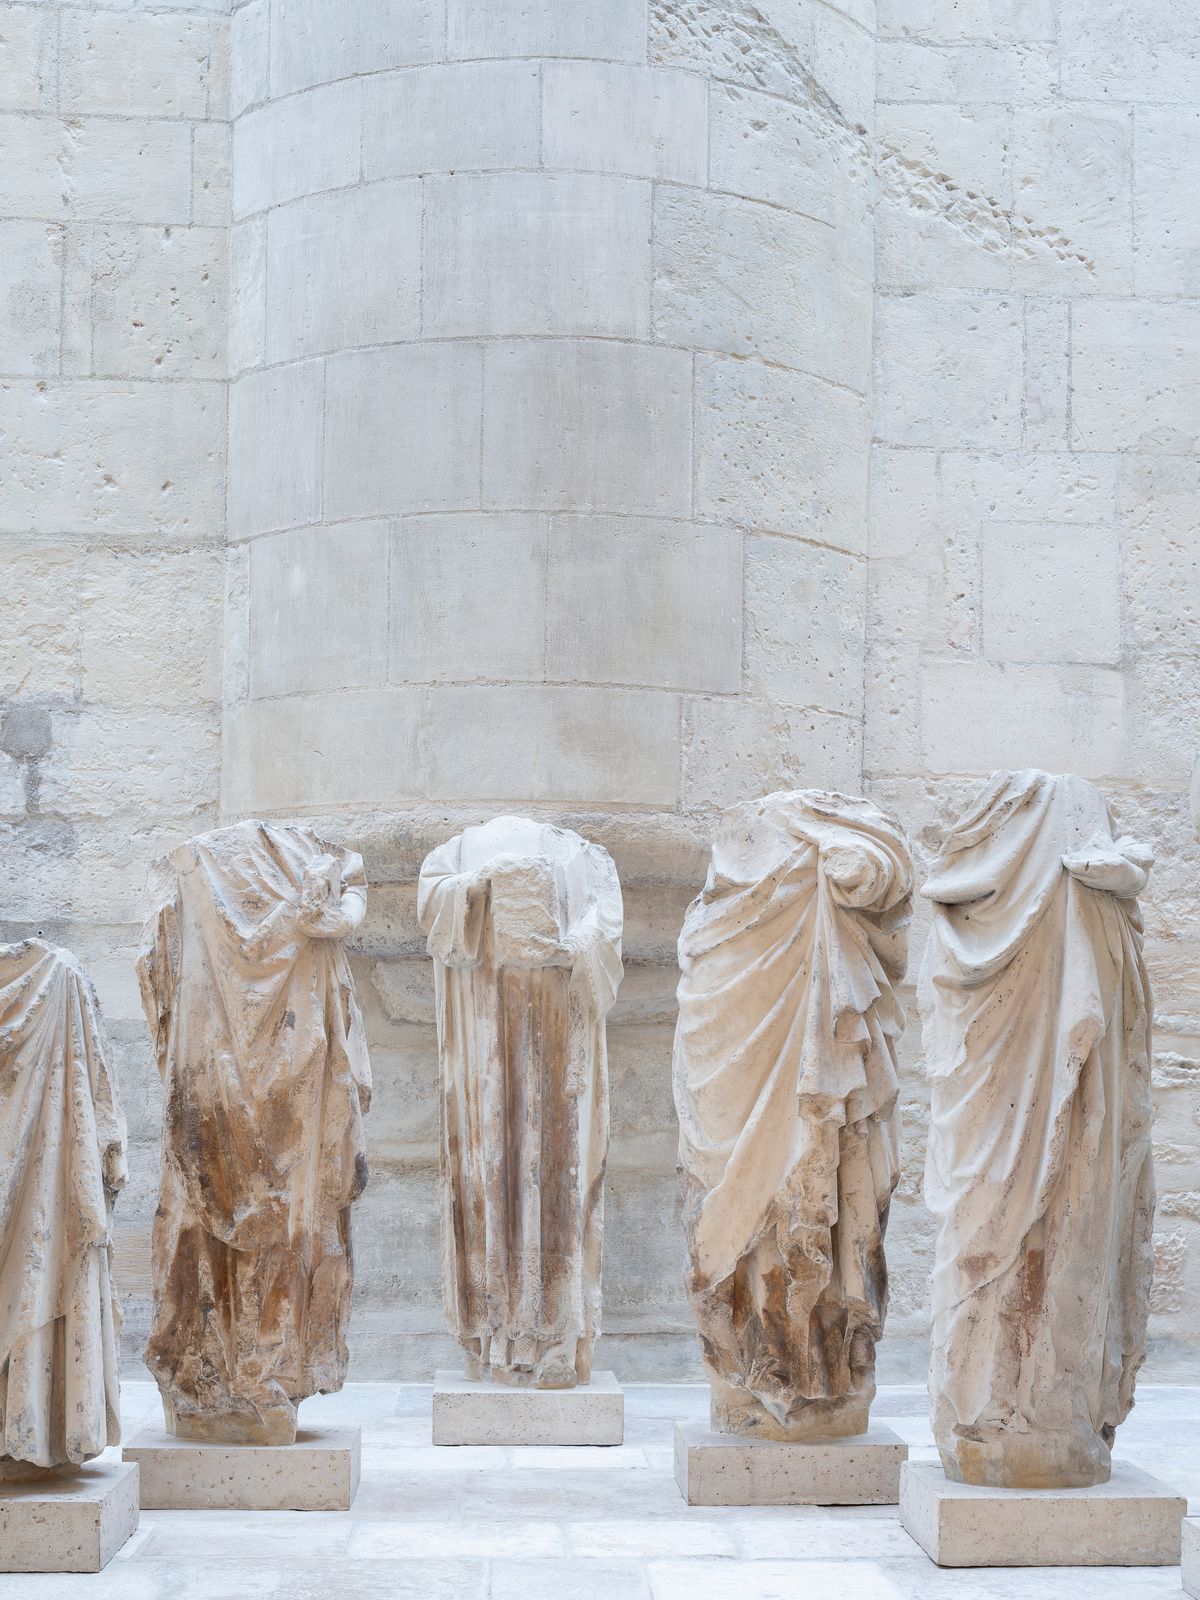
(487, 1523)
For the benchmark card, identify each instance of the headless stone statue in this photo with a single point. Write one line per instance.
(785, 1084)
(524, 926)
(62, 1161)
(261, 1048)
(1037, 1018)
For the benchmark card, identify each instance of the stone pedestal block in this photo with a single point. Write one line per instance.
(1130, 1521)
(1190, 1556)
(68, 1522)
(317, 1473)
(466, 1411)
(724, 1469)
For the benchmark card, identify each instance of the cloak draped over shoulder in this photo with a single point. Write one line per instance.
(261, 1048)
(1039, 1177)
(524, 926)
(62, 1160)
(785, 1085)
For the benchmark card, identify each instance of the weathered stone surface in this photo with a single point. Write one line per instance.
(1131, 1520)
(780, 451)
(482, 1411)
(62, 1150)
(1036, 1010)
(163, 67)
(948, 371)
(260, 1046)
(1137, 387)
(318, 1471)
(1026, 571)
(788, 1139)
(524, 927)
(751, 280)
(720, 1469)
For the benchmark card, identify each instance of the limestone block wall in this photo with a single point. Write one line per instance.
(1035, 568)
(547, 491)
(113, 242)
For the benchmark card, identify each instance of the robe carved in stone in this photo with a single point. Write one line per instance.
(785, 1084)
(261, 1048)
(1037, 1018)
(62, 1161)
(524, 927)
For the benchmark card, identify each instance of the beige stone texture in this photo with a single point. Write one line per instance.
(720, 1469)
(1036, 1016)
(263, 1152)
(318, 1471)
(69, 1524)
(482, 1412)
(788, 1142)
(62, 1144)
(1133, 1520)
(523, 922)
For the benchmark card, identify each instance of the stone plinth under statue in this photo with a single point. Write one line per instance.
(263, 1056)
(482, 1411)
(318, 1471)
(785, 1085)
(523, 922)
(62, 1162)
(1129, 1520)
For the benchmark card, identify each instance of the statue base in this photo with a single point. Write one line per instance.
(480, 1411)
(727, 1469)
(1190, 1556)
(1130, 1521)
(317, 1473)
(69, 1520)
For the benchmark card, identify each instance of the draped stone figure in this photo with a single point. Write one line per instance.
(1037, 1017)
(524, 927)
(62, 1161)
(262, 1053)
(785, 1084)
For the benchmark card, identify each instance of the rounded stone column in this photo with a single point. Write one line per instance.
(548, 445)
(548, 434)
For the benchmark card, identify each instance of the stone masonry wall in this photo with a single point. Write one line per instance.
(1035, 572)
(113, 246)
(549, 338)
